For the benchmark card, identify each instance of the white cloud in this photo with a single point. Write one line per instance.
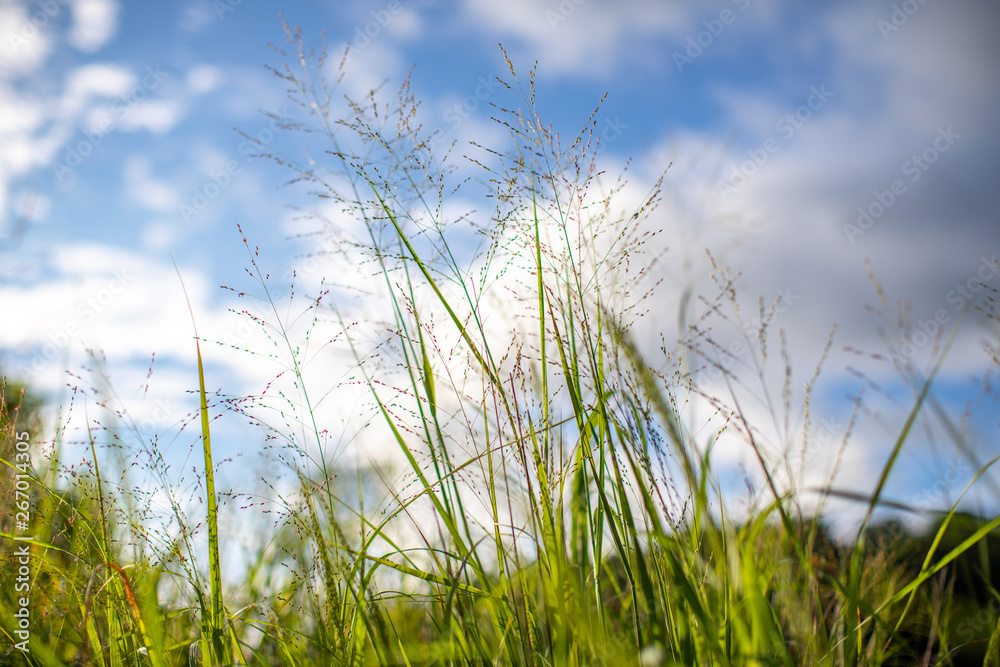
(93, 296)
(96, 99)
(159, 235)
(18, 115)
(369, 67)
(805, 189)
(22, 120)
(154, 194)
(578, 38)
(94, 23)
(26, 43)
(195, 17)
(204, 78)
(97, 80)
(406, 25)
(154, 115)
(918, 74)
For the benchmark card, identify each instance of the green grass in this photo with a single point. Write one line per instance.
(550, 506)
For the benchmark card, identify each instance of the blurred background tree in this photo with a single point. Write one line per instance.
(20, 411)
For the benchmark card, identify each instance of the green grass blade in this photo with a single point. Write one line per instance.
(215, 624)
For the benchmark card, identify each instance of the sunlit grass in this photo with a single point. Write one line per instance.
(548, 505)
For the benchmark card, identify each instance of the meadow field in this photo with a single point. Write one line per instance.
(547, 497)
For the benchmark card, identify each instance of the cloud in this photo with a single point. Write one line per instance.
(102, 297)
(204, 78)
(892, 100)
(94, 24)
(160, 235)
(195, 17)
(151, 193)
(41, 113)
(155, 115)
(26, 44)
(369, 67)
(575, 37)
(87, 82)
(407, 25)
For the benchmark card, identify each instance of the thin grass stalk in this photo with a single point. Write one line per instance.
(213, 641)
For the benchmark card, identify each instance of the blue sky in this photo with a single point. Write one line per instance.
(803, 139)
